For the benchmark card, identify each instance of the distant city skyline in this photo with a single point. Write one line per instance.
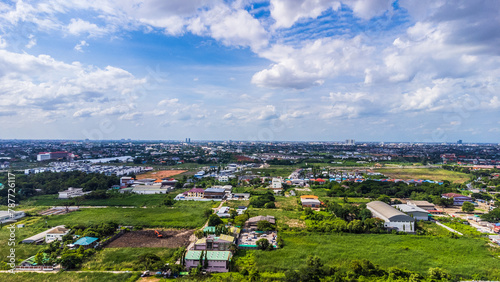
(254, 70)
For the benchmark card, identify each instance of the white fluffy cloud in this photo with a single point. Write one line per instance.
(31, 83)
(313, 63)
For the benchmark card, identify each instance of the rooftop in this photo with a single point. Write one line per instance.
(211, 255)
(84, 241)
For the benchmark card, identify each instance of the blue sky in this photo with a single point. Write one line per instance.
(370, 70)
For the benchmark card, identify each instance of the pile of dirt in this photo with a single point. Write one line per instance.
(148, 239)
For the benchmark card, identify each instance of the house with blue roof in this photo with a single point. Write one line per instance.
(86, 242)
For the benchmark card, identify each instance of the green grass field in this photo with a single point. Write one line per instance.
(425, 173)
(465, 256)
(23, 251)
(123, 258)
(184, 214)
(121, 200)
(68, 276)
(284, 218)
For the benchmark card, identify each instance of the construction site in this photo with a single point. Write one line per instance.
(153, 239)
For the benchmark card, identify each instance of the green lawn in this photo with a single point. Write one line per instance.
(184, 214)
(425, 173)
(68, 276)
(464, 257)
(124, 258)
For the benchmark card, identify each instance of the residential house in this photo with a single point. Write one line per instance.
(196, 193)
(218, 261)
(56, 233)
(86, 242)
(310, 201)
(214, 243)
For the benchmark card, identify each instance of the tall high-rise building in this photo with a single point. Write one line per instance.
(350, 142)
(459, 141)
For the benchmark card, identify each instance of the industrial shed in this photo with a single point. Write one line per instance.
(393, 218)
(413, 211)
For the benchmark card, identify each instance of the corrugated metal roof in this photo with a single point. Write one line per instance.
(85, 241)
(386, 212)
(211, 255)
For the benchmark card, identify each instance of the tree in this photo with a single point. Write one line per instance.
(468, 207)
(214, 220)
(262, 244)
(39, 258)
(264, 225)
(233, 213)
(70, 260)
(199, 234)
(168, 201)
(205, 263)
(207, 212)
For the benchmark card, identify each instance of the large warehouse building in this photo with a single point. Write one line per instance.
(393, 218)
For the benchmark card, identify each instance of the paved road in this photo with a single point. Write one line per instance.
(450, 229)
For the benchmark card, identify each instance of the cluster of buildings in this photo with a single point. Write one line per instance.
(59, 155)
(89, 168)
(147, 185)
(216, 248)
(216, 193)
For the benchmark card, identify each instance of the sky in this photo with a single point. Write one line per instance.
(298, 70)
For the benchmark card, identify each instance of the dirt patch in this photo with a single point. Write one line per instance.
(148, 239)
(294, 222)
(160, 174)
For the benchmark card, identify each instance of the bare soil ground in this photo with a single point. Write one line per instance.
(148, 239)
(160, 174)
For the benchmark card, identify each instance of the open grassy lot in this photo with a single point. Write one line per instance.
(184, 214)
(23, 251)
(123, 258)
(119, 200)
(425, 173)
(464, 256)
(274, 171)
(68, 276)
(286, 203)
(284, 218)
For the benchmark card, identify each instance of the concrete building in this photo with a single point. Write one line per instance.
(214, 243)
(413, 211)
(393, 218)
(422, 204)
(71, 193)
(151, 189)
(310, 201)
(56, 233)
(458, 199)
(196, 193)
(214, 193)
(218, 261)
(59, 155)
(252, 222)
(40, 237)
(6, 216)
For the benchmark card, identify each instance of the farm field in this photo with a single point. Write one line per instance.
(148, 239)
(122, 259)
(160, 174)
(119, 200)
(183, 214)
(68, 276)
(425, 173)
(464, 256)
